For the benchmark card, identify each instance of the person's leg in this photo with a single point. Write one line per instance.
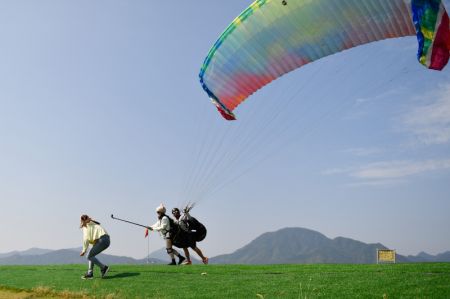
(175, 252)
(170, 251)
(101, 245)
(180, 257)
(200, 254)
(188, 256)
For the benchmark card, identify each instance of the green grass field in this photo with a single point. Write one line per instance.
(427, 280)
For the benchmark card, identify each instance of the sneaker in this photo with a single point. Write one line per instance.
(87, 275)
(205, 260)
(187, 263)
(104, 271)
(182, 258)
(172, 263)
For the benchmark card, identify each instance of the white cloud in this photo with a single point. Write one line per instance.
(376, 183)
(389, 93)
(390, 172)
(363, 105)
(398, 169)
(364, 151)
(333, 171)
(430, 123)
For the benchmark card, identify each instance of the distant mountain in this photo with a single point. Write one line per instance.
(302, 246)
(285, 246)
(159, 254)
(67, 256)
(31, 251)
(425, 257)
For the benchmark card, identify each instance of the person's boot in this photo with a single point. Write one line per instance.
(104, 271)
(172, 263)
(187, 262)
(181, 259)
(88, 275)
(205, 260)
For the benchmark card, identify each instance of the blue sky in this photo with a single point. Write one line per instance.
(101, 112)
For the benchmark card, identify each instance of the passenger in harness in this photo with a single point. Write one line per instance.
(169, 231)
(191, 231)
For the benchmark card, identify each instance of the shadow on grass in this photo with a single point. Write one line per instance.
(122, 275)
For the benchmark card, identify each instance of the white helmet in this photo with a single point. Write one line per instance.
(161, 209)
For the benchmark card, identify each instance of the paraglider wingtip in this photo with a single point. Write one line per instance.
(224, 111)
(228, 115)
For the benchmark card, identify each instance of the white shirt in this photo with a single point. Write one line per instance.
(162, 226)
(91, 233)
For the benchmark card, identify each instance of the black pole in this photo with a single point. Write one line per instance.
(112, 216)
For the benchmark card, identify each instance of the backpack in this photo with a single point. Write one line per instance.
(197, 228)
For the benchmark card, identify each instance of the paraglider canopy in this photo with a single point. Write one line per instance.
(271, 38)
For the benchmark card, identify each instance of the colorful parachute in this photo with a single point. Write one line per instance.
(432, 27)
(273, 37)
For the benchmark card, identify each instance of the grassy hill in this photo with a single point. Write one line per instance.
(427, 280)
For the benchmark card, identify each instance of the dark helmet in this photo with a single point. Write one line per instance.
(175, 210)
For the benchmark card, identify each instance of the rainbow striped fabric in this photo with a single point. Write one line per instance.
(273, 37)
(433, 34)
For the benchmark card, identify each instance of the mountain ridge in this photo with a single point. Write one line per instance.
(291, 245)
(69, 256)
(305, 246)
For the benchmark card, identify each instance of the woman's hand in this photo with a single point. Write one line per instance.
(82, 253)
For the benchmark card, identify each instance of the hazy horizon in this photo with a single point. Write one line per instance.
(156, 252)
